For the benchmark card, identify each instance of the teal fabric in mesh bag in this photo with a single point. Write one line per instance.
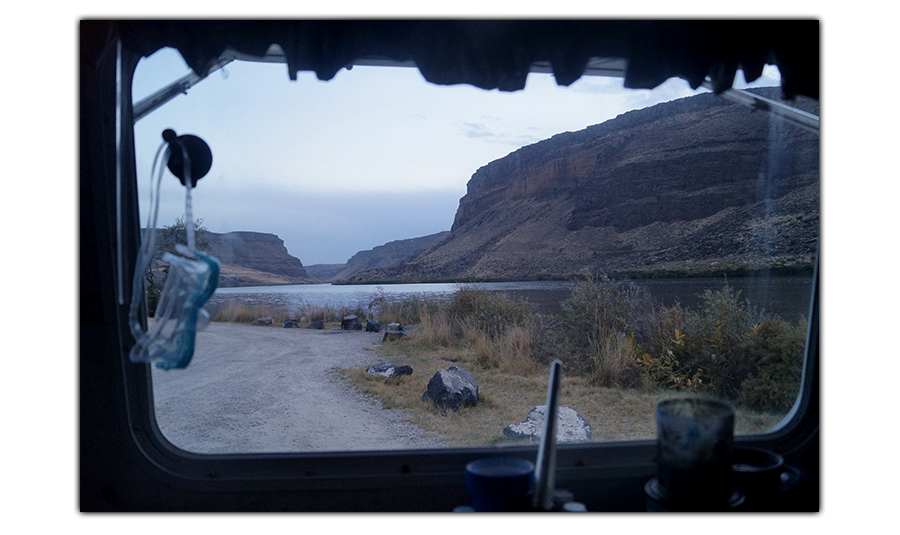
(171, 332)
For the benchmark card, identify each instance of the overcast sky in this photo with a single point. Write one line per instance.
(374, 155)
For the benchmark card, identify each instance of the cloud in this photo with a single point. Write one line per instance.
(480, 131)
(476, 130)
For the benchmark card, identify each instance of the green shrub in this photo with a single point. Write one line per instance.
(724, 347)
(774, 353)
(598, 322)
(713, 333)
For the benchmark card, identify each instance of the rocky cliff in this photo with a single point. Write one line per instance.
(255, 259)
(698, 184)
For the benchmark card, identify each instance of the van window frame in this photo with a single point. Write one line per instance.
(606, 476)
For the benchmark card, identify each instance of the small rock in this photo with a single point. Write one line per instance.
(351, 323)
(373, 326)
(391, 336)
(268, 320)
(393, 331)
(318, 324)
(389, 370)
(289, 323)
(571, 427)
(452, 388)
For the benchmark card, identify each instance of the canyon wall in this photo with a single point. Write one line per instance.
(694, 185)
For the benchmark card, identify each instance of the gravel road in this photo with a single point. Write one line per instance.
(255, 389)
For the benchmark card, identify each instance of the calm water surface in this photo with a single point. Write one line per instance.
(789, 297)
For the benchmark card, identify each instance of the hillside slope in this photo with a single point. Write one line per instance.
(685, 186)
(383, 256)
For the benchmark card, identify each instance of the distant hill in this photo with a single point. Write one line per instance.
(383, 256)
(258, 259)
(325, 272)
(255, 259)
(686, 186)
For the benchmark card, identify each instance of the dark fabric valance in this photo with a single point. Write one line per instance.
(498, 54)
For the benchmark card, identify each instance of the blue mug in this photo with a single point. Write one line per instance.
(500, 484)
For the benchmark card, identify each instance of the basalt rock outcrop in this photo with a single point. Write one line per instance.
(694, 184)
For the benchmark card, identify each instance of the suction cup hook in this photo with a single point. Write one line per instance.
(198, 152)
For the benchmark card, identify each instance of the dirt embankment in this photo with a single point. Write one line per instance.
(267, 389)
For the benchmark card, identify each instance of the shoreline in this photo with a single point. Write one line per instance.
(654, 274)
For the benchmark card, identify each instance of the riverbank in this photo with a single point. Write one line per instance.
(731, 272)
(788, 297)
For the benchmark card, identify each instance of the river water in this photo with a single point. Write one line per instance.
(789, 297)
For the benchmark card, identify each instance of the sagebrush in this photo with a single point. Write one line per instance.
(616, 335)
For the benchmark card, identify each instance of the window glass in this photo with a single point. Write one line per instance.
(658, 243)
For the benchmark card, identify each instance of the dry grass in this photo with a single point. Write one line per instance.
(435, 330)
(508, 389)
(611, 356)
(405, 310)
(237, 312)
(470, 426)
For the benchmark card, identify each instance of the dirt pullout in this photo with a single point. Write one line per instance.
(255, 389)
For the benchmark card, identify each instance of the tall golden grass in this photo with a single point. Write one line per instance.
(237, 312)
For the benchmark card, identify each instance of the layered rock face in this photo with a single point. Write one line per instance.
(255, 259)
(694, 184)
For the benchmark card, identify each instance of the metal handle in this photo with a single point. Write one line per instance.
(545, 468)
